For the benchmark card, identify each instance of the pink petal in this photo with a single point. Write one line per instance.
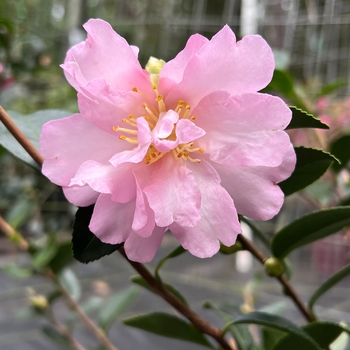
(143, 223)
(222, 64)
(81, 196)
(244, 130)
(219, 219)
(143, 249)
(173, 194)
(119, 182)
(137, 154)
(172, 72)
(111, 221)
(187, 131)
(105, 55)
(106, 108)
(254, 189)
(67, 143)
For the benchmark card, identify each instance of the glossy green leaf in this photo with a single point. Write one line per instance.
(340, 148)
(311, 165)
(282, 81)
(141, 282)
(324, 333)
(31, 126)
(276, 322)
(242, 336)
(169, 326)
(302, 119)
(86, 246)
(271, 337)
(69, 281)
(176, 252)
(62, 258)
(327, 285)
(115, 305)
(309, 228)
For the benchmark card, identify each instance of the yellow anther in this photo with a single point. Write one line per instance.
(154, 87)
(153, 116)
(148, 158)
(188, 107)
(115, 128)
(180, 155)
(123, 137)
(186, 153)
(134, 89)
(159, 98)
(129, 122)
(144, 105)
(153, 155)
(193, 118)
(201, 150)
(130, 116)
(194, 160)
(128, 139)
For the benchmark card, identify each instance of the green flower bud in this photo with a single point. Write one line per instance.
(274, 267)
(39, 302)
(154, 66)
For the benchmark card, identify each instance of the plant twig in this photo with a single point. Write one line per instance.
(202, 325)
(13, 235)
(20, 137)
(289, 290)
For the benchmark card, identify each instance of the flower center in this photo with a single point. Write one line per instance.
(168, 129)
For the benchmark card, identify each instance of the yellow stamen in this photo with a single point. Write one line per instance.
(128, 131)
(153, 116)
(193, 160)
(128, 139)
(161, 104)
(129, 122)
(193, 118)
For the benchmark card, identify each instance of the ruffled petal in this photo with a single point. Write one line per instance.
(111, 221)
(254, 189)
(119, 182)
(142, 249)
(172, 72)
(244, 130)
(224, 64)
(138, 153)
(219, 219)
(81, 196)
(67, 143)
(173, 194)
(105, 55)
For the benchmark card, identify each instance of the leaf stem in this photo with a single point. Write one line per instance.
(288, 288)
(202, 325)
(20, 137)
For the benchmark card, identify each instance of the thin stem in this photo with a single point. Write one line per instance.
(13, 235)
(20, 137)
(98, 332)
(289, 290)
(202, 325)
(65, 332)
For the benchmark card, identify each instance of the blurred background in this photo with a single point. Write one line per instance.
(311, 43)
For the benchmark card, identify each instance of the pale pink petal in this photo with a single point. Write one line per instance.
(173, 194)
(143, 249)
(254, 189)
(105, 55)
(137, 154)
(172, 72)
(143, 223)
(111, 221)
(107, 108)
(243, 130)
(81, 196)
(222, 64)
(119, 182)
(67, 143)
(187, 131)
(219, 219)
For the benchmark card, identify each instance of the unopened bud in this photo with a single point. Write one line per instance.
(39, 302)
(274, 267)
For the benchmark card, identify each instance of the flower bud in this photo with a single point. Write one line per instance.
(274, 267)
(39, 302)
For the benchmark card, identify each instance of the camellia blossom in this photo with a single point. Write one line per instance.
(183, 145)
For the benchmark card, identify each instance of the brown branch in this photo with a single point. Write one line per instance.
(202, 325)
(20, 137)
(289, 290)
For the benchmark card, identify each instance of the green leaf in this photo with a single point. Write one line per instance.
(276, 322)
(327, 285)
(176, 252)
(86, 246)
(309, 228)
(242, 336)
(141, 282)
(70, 282)
(340, 148)
(302, 119)
(62, 258)
(331, 87)
(42, 257)
(17, 271)
(55, 336)
(169, 326)
(324, 333)
(271, 337)
(21, 211)
(115, 305)
(31, 126)
(282, 81)
(311, 165)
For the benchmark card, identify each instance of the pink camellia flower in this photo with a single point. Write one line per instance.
(182, 145)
